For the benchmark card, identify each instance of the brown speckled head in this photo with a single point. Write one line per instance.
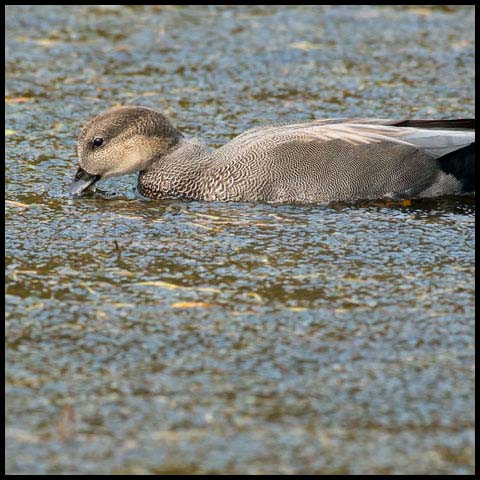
(119, 141)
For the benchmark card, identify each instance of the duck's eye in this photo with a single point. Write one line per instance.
(97, 141)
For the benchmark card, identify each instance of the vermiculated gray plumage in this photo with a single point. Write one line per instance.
(313, 162)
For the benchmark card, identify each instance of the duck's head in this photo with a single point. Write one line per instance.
(120, 141)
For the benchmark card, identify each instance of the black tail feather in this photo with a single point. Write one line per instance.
(467, 123)
(461, 164)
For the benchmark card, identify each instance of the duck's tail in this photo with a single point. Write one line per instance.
(461, 164)
(448, 124)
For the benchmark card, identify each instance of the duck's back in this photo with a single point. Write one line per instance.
(339, 159)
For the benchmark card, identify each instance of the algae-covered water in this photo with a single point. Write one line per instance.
(170, 337)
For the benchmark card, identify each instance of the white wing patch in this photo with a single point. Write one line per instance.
(433, 142)
(436, 143)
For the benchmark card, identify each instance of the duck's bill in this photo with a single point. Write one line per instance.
(82, 182)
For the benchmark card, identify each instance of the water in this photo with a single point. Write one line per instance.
(170, 337)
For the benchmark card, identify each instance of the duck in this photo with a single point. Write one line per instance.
(318, 161)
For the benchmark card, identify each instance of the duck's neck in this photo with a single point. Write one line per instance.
(178, 174)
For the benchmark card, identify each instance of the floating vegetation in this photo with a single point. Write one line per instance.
(13, 203)
(192, 305)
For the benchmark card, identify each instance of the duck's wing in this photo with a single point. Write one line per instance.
(436, 139)
(435, 142)
(447, 124)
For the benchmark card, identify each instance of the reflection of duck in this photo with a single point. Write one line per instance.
(312, 162)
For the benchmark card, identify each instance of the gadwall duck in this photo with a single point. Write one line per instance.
(319, 161)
